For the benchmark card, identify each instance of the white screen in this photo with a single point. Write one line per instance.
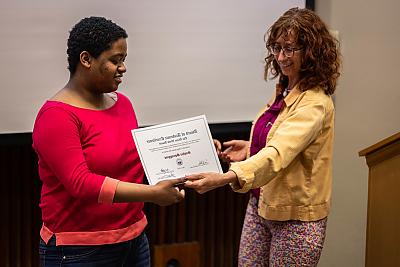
(185, 57)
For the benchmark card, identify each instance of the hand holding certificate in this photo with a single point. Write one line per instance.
(176, 149)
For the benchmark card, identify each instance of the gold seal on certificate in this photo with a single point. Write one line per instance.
(175, 149)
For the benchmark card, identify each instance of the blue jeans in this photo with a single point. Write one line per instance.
(130, 253)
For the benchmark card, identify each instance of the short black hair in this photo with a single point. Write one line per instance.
(94, 35)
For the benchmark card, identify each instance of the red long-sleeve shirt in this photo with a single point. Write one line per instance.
(79, 150)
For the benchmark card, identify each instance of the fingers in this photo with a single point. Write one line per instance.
(194, 177)
(230, 143)
(190, 184)
(217, 144)
(226, 157)
(168, 192)
(196, 185)
(182, 194)
(178, 196)
(174, 182)
(227, 152)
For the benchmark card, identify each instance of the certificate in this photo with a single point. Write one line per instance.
(175, 149)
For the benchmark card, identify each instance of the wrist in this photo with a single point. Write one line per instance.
(230, 176)
(149, 193)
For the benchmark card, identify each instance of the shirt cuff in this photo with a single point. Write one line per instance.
(107, 190)
(242, 186)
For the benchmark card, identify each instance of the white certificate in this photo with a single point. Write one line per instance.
(175, 149)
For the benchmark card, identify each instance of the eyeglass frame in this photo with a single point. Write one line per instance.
(285, 50)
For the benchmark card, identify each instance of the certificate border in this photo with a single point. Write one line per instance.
(206, 126)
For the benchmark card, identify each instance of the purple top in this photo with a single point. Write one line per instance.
(261, 130)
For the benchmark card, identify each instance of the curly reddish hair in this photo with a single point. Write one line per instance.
(321, 58)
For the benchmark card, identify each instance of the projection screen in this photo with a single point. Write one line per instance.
(185, 57)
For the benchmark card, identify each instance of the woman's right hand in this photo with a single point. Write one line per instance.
(167, 192)
(236, 150)
(218, 146)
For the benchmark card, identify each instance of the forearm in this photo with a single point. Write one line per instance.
(132, 192)
(257, 170)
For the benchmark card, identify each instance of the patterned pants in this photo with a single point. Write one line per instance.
(275, 243)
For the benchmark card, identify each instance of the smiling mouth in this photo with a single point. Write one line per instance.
(118, 79)
(285, 65)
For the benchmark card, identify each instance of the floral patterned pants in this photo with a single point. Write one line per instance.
(279, 243)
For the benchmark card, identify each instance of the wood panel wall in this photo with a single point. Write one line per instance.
(213, 219)
(19, 199)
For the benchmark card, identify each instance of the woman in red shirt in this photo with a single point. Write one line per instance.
(92, 194)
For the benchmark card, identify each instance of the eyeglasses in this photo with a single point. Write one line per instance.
(287, 51)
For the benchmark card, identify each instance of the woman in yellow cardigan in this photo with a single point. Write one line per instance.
(287, 164)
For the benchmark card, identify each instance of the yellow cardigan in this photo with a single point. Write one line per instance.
(294, 170)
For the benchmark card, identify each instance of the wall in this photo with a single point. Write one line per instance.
(183, 55)
(367, 111)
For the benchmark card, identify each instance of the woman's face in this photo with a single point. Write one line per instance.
(289, 56)
(109, 67)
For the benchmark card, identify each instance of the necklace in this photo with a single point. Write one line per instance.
(286, 92)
